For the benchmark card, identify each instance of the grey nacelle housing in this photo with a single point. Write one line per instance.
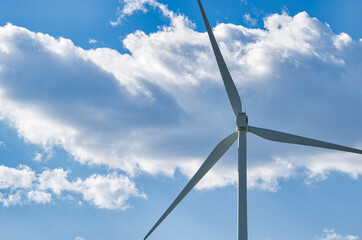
(242, 122)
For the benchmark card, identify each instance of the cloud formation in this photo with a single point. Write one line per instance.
(139, 112)
(330, 234)
(23, 186)
(129, 7)
(249, 20)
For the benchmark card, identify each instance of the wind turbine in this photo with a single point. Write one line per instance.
(225, 144)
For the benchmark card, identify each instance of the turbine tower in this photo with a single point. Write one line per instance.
(225, 144)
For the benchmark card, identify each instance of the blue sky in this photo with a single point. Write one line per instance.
(107, 109)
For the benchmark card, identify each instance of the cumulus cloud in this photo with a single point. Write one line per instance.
(11, 199)
(129, 7)
(330, 234)
(39, 196)
(267, 176)
(21, 177)
(342, 40)
(313, 167)
(146, 110)
(110, 192)
(22, 185)
(320, 165)
(249, 20)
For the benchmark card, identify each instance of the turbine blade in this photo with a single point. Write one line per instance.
(210, 161)
(289, 138)
(231, 90)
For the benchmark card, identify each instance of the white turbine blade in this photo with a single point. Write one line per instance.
(226, 77)
(289, 138)
(210, 161)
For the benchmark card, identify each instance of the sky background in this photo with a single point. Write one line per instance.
(107, 108)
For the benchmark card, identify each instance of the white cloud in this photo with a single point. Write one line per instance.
(320, 165)
(330, 234)
(249, 20)
(92, 41)
(55, 180)
(21, 177)
(79, 238)
(140, 112)
(4, 48)
(39, 196)
(342, 40)
(314, 167)
(110, 192)
(131, 6)
(267, 176)
(38, 157)
(11, 199)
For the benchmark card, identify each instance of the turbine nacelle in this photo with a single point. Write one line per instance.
(242, 122)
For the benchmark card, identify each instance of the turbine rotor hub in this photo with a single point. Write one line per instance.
(242, 122)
